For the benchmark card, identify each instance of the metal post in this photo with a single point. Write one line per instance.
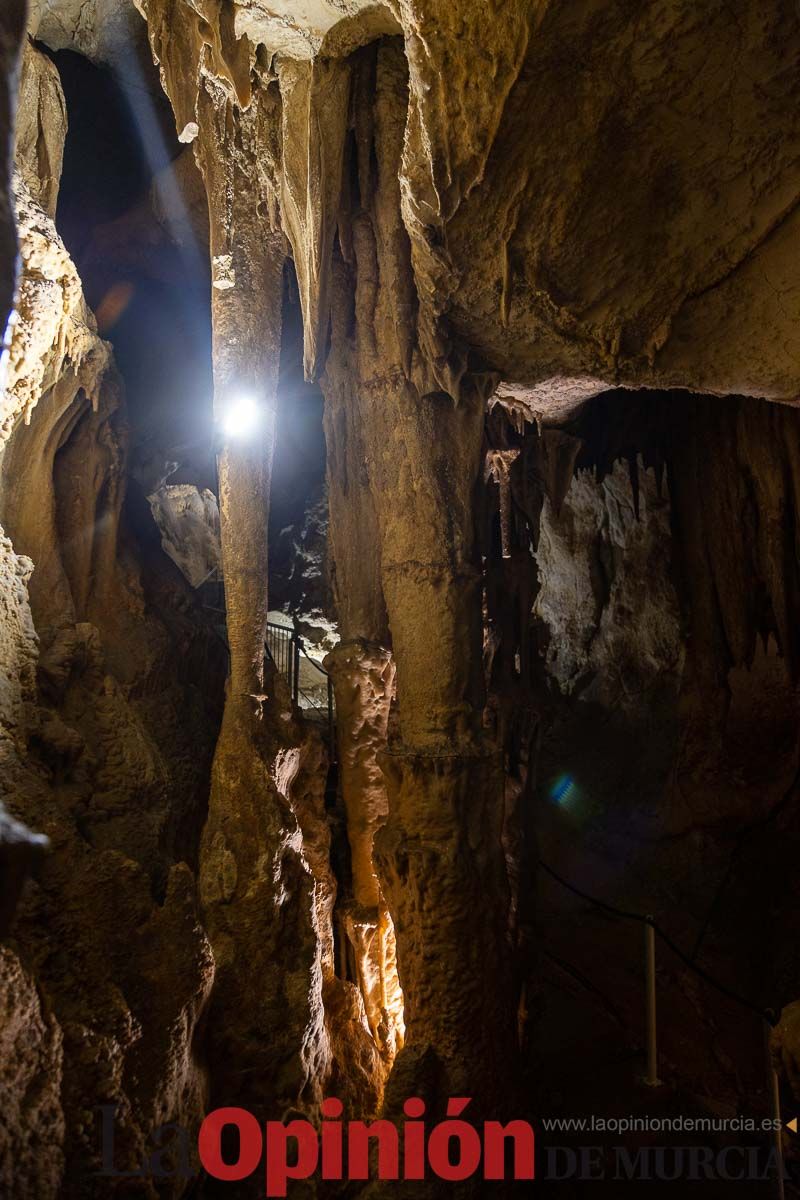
(651, 1076)
(774, 1092)
(296, 680)
(331, 727)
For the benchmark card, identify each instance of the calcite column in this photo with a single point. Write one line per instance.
(439, 852)
(268, 1045)
(246, 315)
(363, 673)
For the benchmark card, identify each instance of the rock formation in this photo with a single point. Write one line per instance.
(106, 737)
(542, 257)
(19, 848)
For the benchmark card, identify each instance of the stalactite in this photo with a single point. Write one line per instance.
(498, 467)
(316, 105)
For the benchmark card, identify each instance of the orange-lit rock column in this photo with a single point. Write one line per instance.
(363, 674)
(439, 854)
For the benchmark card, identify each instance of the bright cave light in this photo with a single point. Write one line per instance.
(242, 417)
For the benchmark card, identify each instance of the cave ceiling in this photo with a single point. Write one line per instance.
(590, 200)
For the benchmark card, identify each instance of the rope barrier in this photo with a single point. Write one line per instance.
(766, 1014)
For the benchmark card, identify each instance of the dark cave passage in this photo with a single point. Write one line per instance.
(132, 213)
(298, 518)
(665, 686)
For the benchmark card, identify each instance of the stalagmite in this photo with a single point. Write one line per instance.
(363, 675)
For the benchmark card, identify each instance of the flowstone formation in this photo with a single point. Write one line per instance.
(524, 238)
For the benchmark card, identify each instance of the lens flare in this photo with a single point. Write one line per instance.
(563, 789)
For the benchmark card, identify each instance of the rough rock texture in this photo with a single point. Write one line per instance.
(564, 283)
(41, 129)
(105, 31)
(606, 596)
(12, 25)
(363, 677)
(54, 332)
(31, 1053)
(105, 747)
(19, 848)
(353, 1070)
(664, 269)
(189, 524)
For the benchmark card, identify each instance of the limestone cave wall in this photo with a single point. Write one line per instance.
(534, 263)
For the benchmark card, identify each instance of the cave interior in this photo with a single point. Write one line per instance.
(399, 581)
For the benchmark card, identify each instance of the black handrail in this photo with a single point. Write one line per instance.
(285, 648)
(767, 1014)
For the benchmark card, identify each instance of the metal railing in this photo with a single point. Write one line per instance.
(285, 648)
(282, 649)
(767, 1016)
